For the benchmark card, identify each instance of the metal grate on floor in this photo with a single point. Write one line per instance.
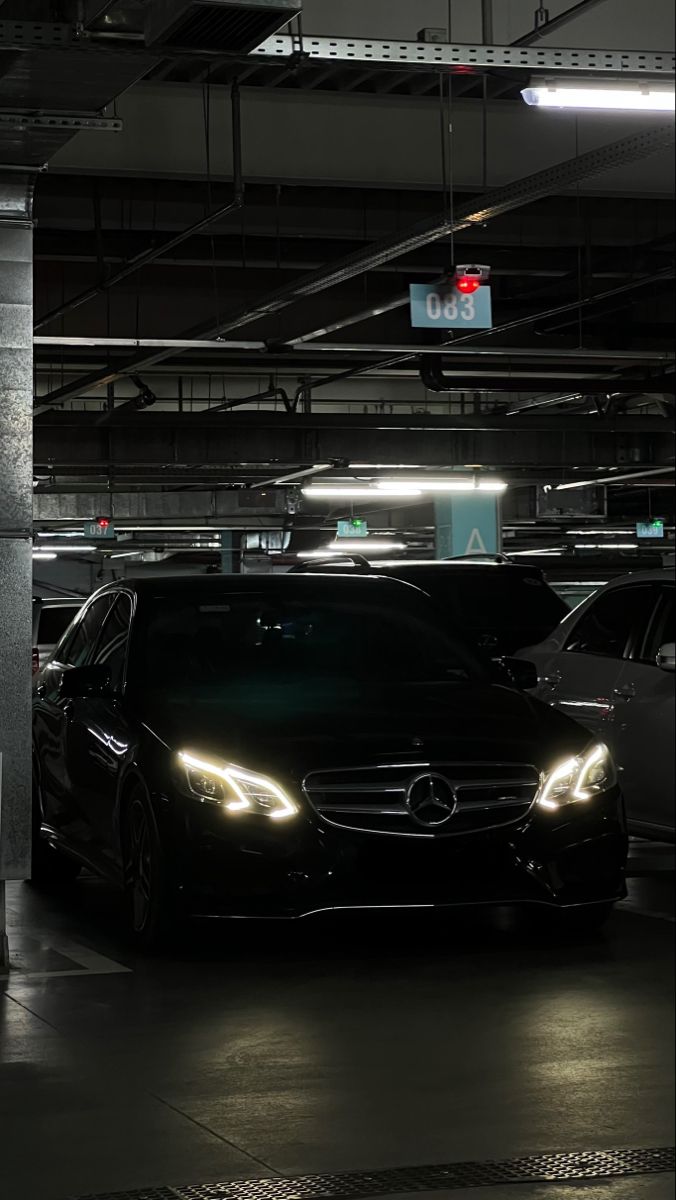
(361, 1185)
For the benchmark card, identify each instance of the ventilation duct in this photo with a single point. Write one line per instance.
(226, 26)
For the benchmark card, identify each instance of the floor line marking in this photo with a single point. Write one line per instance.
(32, 1012)
(207, 1129)
(89, 961)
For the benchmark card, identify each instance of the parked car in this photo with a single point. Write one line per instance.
(281, 746)
(497, 605)
(51, 617)
(610, 665)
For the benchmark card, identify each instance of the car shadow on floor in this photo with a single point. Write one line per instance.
(89, 913)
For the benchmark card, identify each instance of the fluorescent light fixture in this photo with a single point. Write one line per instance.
(68, 533)
(354, 546)
(361, 545)
(382, 489)
(356, 492)
(544, 550)
(43, 555)
(598, 532)
(70, 549)
(606, 546)
(582, 483)
(582, 95)
(171, 528)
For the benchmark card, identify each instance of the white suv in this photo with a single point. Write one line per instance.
(610, 665)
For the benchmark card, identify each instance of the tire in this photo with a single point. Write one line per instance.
(50, 867)
(568, 922)
(150, 900)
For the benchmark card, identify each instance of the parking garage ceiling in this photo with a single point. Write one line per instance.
(232, 202)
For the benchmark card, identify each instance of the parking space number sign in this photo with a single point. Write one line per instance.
(447, 308)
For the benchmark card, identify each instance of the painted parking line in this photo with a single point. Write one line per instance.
(30, 960)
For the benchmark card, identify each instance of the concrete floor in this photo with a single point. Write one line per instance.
(337, 1044)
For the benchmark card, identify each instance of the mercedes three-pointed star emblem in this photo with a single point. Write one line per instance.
(431, 800)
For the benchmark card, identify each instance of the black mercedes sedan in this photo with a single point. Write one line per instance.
(277, 746)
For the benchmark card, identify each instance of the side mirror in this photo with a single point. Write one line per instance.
(666, 657)
(89, 682)
(522, 674)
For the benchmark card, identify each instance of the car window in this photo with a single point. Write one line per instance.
(54, 621)
(111, 648)
(264, 644)
(662, 628)
(76, 648)
(607, 625)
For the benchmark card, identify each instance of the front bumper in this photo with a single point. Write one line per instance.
(252, 867)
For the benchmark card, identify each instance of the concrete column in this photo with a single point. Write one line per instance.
(467, 524)
(16, 519)
(227, 552)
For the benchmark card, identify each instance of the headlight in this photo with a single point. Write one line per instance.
(235, 789)
(578, 779)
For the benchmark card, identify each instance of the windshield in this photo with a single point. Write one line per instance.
(217, 639)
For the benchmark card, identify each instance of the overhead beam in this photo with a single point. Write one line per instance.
(423, 56)
(168, 446)
(209, 507)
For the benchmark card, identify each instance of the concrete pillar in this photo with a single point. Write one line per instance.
(227, 552)
(16, 519)
(467, 524)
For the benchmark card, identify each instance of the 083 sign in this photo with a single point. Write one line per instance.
(447, 308)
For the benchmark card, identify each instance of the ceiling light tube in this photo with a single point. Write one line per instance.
(606, 546)
(601, 482)
(69, 549)
(43, 555)
(584, 95)
(385, 488)
(364, 546)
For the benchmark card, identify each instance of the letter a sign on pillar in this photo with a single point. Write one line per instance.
(467, 524)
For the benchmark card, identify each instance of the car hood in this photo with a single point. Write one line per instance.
(289, 732)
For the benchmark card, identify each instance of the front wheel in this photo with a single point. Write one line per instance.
(149, 897)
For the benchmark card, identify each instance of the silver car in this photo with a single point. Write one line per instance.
(610, 664)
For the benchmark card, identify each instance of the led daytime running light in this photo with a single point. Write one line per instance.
(577, 779)
(247, 787)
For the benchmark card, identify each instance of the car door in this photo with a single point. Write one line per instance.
(101, 736)
(53, 724)
(644, 724)
(582, 678)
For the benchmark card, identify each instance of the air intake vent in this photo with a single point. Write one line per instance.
(229, 26)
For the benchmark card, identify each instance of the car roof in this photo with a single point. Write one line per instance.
(262, 583)
(449, 565)
(418, 566)
(658, 576)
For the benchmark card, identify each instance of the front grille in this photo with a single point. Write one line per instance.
(384, 799)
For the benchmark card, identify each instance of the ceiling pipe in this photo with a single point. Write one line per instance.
(132, 265)
(556, 23)
(435, 380)
(493, 204)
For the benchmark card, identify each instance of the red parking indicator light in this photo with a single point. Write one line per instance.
(468, 284)
(103, 522)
